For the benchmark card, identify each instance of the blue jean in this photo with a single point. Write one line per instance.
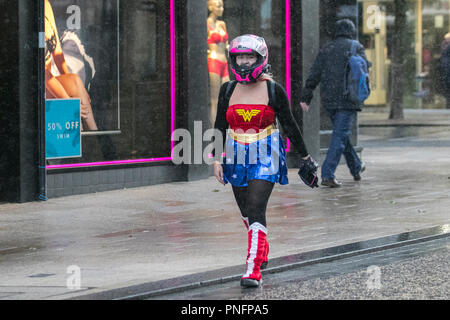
(340, 144)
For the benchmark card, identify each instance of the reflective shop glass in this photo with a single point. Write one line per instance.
(425, 36)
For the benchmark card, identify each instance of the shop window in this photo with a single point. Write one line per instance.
(424, 38)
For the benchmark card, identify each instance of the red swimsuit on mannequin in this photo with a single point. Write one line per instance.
(214, 65)
(218, 67)
(215, 37)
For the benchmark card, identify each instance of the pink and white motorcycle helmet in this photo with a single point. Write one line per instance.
(249, 43)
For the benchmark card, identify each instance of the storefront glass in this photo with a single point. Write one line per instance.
(435, 36)
(427, 25)
(122, 69)
(116, 58)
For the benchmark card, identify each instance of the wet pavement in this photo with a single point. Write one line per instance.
(162, 234)
(418, 271)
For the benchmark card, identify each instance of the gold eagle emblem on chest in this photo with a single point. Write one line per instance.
(247, 114)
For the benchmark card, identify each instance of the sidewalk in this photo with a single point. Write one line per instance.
(144, 235)
(373, 116)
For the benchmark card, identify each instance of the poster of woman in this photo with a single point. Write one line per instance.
(82, 59)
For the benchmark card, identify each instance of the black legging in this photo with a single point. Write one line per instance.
(252, 200)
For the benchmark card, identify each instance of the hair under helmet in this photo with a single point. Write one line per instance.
(249, 43)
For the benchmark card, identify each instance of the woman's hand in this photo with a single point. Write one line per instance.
(218, 172)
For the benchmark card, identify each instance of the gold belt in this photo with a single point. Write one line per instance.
(251, 137)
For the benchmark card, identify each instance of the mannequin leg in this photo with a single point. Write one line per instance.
(214, 87)
(54, 89)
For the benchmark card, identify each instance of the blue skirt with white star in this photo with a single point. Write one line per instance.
(264, 159)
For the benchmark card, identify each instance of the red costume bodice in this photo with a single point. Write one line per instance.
(250, 116)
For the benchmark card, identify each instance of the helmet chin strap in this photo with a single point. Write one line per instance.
(251, 81)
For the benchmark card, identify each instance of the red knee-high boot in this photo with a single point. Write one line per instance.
(266, 256)
(257, 235)
(266, 253)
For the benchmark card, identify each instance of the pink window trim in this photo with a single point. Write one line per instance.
(172, 93)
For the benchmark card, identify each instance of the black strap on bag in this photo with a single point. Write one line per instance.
(229, 91)
(272, 91)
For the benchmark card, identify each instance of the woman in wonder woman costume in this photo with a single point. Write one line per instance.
(255, 156)
(217, 56)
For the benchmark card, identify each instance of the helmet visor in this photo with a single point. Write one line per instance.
(247, 44)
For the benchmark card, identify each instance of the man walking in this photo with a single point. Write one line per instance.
(329, 69)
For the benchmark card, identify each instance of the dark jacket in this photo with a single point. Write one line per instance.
(329, 70)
